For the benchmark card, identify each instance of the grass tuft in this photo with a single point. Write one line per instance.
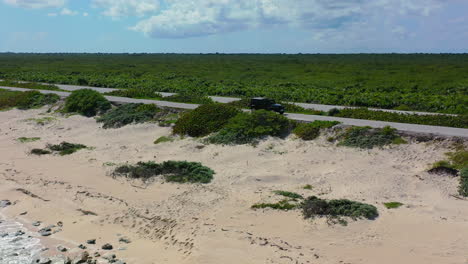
(291, 195)
(284, 205)
(27, 140)
(463, 187)
(163, 139)
(393, 205)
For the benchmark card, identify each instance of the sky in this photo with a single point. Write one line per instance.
(234, 26)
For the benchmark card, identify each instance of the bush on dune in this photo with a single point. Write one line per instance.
(127, 114)
(314, 206)
(25, 100)
(310, 131)
(173, 171)
(368, 138)
(247, 128)
(204, 120)
(463, 188)
(86, 102)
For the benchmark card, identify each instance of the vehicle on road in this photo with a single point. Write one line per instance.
(258, 103)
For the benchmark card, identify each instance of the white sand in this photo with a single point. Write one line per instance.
(213, 223)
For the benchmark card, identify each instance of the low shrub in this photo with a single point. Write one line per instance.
(310, 131)
(314, 206)
(456, 161)
(288, 107)
(281, 205)
(291, 195)
(163, 139)
(25, 100)
(138, 93)
(392, 205)
(463, 187)
(30, 85)
(173, 171)
(127, 114)
(204, 120)
(39, 152)
(27, 140)
(66, 148)
(459, 158)
(189, 97)
(307, 187)
(86, 102)
(460, 121)
(247, 128)
(368, 138)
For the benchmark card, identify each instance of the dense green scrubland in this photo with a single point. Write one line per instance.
(436, 82)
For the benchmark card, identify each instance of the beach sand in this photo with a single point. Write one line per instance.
(213, 223)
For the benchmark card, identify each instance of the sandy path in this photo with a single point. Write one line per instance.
(172, 223)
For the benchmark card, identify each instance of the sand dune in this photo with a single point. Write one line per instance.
(213, 223)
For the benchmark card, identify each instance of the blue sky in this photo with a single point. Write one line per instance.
(234, 26)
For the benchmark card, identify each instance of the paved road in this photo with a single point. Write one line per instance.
(220, 99)
(409, 128)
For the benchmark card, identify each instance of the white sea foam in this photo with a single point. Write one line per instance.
(15, 248)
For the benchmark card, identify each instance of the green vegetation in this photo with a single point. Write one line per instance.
(28, 85)
(310, 131)
(64, 148)
(288, 107)
(163, 139)
(456, 161)
(25, 100)
(169, 119)
(189, 97)
(393, 205)
(39, 152)
(281, 205)
(291, 195)
(368, 138)
(86, 102)
(173, 171)
(308, 187)
(247, 128)
(204, 120)
(127, 114)
(136, 93)
(27, 139)
(42, 120)
(314, 206)
(433, 120)
(463, 188)
(424, 82)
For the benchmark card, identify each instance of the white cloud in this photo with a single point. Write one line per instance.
(183, 18)
(85, 14)
(67, 12)
(35, 3)
(52, 14)
(119, 8)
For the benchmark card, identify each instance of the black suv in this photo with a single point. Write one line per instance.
(258, 103)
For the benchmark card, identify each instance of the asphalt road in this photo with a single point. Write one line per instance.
(409, 128)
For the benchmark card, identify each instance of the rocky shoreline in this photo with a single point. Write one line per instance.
(20, 244)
